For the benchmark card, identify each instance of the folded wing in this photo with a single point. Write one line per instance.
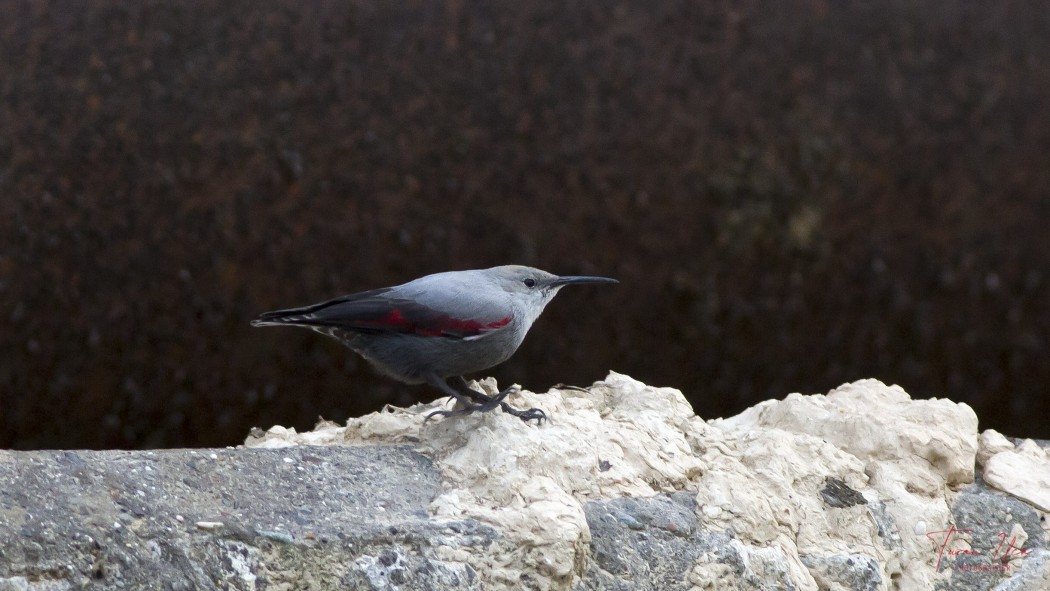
(379, 311)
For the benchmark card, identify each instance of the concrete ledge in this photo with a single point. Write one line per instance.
(862, 488)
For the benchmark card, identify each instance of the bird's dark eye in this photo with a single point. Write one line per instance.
(529, 282)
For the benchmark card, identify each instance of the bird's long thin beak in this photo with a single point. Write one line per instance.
(567, 279)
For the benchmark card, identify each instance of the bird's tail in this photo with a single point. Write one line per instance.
(340, 312)
(291, 316)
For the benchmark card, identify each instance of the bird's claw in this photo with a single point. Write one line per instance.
(489, 403)
(532, 414)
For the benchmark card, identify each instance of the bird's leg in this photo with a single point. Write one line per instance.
(464, 388)
(442, 385)
(490, 402)
(485, 402)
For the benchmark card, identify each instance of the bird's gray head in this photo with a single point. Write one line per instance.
(534, 288)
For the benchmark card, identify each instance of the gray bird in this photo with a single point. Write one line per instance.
(440, 326)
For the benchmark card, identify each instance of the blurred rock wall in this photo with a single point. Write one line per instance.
(793, 194)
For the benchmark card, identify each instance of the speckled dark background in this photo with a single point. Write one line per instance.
(794, 194)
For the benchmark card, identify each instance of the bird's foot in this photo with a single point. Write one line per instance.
(485, 404)
(489, 403)
(532, 414)
(526, 415)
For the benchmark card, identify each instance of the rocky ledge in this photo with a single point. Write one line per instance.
(623, 488)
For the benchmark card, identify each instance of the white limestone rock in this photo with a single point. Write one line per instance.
(1023, 472)
(806, 485)
(991, 443)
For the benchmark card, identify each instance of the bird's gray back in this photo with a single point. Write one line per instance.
(463, 295)
(470, 296)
